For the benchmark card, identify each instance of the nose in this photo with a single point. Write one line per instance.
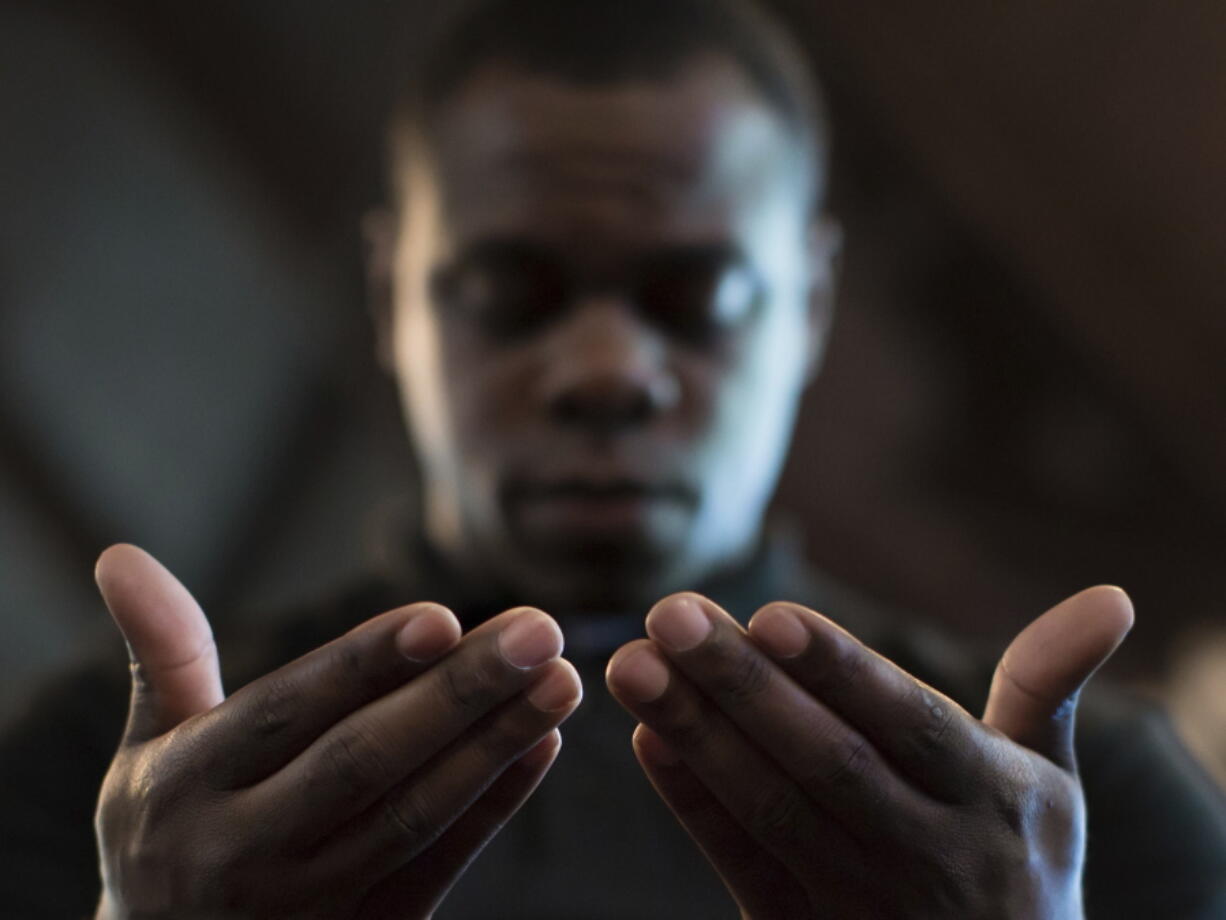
(608, 370)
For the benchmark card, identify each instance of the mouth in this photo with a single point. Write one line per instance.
(592, 509)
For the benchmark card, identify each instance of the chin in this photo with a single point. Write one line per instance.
(596, 578)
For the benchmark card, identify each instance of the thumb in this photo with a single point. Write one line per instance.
(1034, 691)
(175, 672)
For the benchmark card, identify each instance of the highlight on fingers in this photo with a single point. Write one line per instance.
(637, 672)
(175, 671)
(1058, 652)
(680, 622)
(429, 632)
(651, 747)
(559, 690)
(779, 630)
(157, 615)
(529, 638)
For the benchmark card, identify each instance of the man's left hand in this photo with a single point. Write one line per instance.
(821, 780)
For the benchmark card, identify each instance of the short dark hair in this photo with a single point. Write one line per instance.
(605, 42)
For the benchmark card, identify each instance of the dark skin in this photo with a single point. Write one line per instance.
(686, 301)
(593, 450)
(823, 781)
(364, 776)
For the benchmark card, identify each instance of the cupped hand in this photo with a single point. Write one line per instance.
(357, 781)
(821, 780)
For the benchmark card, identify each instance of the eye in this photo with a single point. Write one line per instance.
(699, 296)
(509, 291)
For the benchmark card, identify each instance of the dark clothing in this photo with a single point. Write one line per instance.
(595, 841)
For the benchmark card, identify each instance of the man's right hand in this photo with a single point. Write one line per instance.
(358, 781)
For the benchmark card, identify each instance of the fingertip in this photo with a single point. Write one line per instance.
(430, 631)
(144, 597)
(544, 752)
(682, 597)
(560, 690)
(779, 630)
(117, 563)
(529, 638)
(638, 672)
(1099, 617)
(1057, 653)
(650, 747)
(1115, 606)
(573, 674)
(682, 621)
(108, 558)
(619, 656)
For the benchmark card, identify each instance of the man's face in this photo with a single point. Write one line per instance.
(605, 304)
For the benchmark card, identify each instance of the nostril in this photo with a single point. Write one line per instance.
(603, 406)
(608, 369)
(612, 404)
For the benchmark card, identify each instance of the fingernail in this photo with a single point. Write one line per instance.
(428, 634)
(530, 640)
(679, 624)
(641, 675)
(560, 689)
(780, 632)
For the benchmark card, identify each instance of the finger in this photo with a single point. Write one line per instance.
(759, 883)
(411, 818)
(832, 762)
(175, 672)
(268, 723)
(363, 756)
(927, 737)
(417, 889)
(755, 790)
(1034, 692)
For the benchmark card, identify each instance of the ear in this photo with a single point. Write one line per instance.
(380, 229)
(825, 253)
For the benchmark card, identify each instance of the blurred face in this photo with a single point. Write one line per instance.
(605, 303)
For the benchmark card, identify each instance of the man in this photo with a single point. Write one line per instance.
(608, 278)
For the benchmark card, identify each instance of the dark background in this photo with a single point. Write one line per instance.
(1024, 394)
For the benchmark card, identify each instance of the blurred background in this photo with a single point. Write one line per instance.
(1025, 393)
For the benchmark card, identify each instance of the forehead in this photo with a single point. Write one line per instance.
(697, 155)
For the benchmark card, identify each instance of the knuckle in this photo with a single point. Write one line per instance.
(936, 716)
(473, 689)
(409, 817)
(349, 669)
(1029, 802)
(272, 710)
(690, 728)
(740, 677)
(155, 785)
(1011, 806)
(848, 661)
(354, 762)
(777, 814)
(853, 764)
(503, 739)
(841, 666)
